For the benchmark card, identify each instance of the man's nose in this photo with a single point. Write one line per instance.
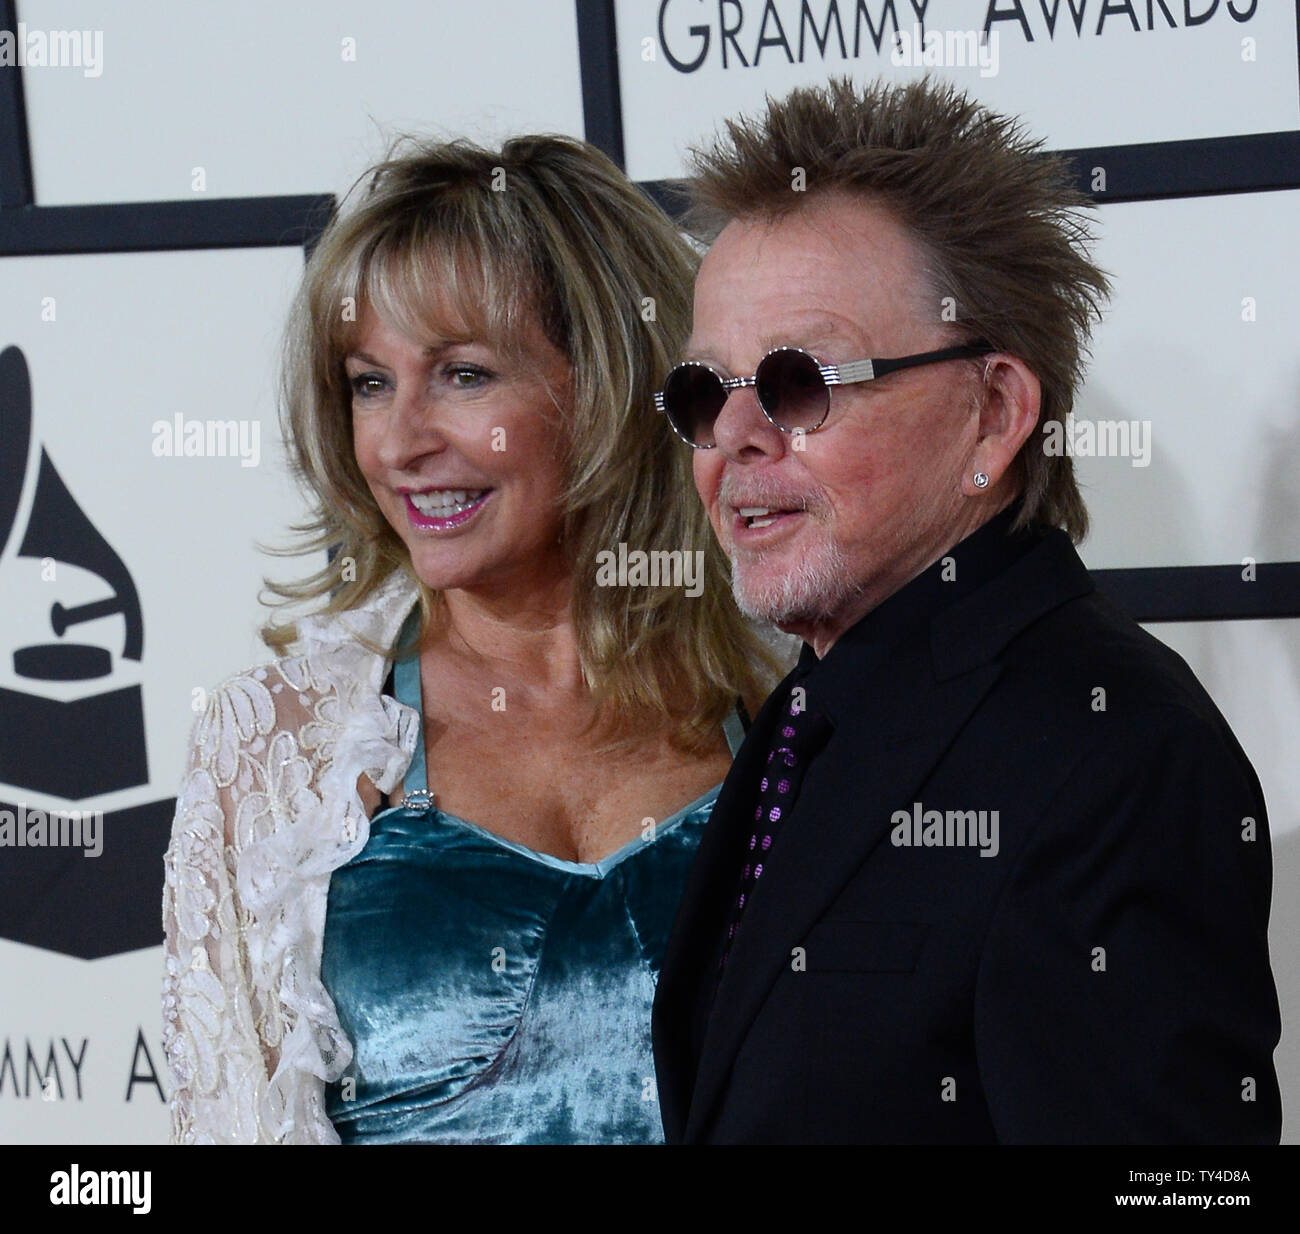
(742, 430)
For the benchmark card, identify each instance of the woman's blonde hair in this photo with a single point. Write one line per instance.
(546, 226)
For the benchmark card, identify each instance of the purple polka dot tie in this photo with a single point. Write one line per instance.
(799, 734)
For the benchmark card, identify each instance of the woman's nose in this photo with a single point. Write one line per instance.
(410, 429)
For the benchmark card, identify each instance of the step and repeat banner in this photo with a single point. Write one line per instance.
(140, 459)
(1083, 73)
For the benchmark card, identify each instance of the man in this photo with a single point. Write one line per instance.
(991, 866)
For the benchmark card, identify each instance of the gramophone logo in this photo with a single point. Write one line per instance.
(68, 731)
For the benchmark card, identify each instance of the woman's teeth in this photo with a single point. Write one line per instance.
(443, 502)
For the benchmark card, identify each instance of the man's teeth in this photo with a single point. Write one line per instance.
(758, 516)
(441, 503)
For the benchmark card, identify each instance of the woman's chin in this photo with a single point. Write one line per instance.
(438, 576)
(472, 563)
(466, 572)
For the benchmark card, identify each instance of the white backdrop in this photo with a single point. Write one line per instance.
(1117, 87)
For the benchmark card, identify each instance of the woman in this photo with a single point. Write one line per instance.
(425, 862)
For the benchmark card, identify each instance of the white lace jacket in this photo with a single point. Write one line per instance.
(268, 808)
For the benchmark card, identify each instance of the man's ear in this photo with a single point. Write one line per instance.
(1009, 405)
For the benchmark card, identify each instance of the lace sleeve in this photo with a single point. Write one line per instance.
(269, 807)
(218, 1053)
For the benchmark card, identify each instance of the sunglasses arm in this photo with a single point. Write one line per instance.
(867, 370)
(847, 374)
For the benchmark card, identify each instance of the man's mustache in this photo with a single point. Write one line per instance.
(745, 491)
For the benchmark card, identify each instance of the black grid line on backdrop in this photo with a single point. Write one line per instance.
(1144, 172)
(154, 226)
(1154, 171)
(15, 156)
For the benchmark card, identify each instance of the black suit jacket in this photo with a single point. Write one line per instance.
(1104, 978)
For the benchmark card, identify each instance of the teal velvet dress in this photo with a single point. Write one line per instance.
(494, 994)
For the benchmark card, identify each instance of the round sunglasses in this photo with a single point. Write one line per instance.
(792, 385)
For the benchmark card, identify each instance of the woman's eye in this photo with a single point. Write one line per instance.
(466, 376)
(364, 385)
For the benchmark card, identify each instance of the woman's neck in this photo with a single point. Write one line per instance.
(528, 637)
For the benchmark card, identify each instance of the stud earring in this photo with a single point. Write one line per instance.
(981, 479)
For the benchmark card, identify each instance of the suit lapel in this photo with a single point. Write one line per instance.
(841, 815)
(686, 974)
